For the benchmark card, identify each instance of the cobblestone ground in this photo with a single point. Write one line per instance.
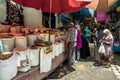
(86, 70)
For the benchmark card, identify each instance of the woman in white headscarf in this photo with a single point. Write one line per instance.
(108, 44)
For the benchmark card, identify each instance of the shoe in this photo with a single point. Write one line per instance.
(75, 61)
(108, 65)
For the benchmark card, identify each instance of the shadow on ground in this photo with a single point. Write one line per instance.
(60, 72)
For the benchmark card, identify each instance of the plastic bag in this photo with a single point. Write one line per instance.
(101, 49)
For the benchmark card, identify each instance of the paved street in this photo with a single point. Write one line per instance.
(87, 70)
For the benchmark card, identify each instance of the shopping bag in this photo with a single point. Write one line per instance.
(101, 49)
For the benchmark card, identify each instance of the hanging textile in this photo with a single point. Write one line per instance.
(14, 13)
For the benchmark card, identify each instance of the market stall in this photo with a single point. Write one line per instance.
(32, 48)
(49, 43)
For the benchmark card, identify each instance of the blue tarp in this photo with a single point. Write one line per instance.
(65, 19)
(80, 15)
(115, 6)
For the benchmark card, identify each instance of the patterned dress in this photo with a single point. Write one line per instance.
(108, 44)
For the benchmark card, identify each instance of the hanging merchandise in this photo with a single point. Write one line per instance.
(14, 13)
(101, 16)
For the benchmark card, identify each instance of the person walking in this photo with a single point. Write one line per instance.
(87, 33)
(79, 42)
(108, 44)
(71, 43)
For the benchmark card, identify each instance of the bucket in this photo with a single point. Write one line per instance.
(23, 58)
(20, 42)
(34, 56)
(31, 39)
(8, 67)
(8, 44)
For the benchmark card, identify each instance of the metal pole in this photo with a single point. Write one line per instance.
(50, 18)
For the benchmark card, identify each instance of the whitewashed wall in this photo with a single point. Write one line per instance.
(2, 10)
(32, 17)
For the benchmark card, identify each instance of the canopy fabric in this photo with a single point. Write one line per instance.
(101, 5)
(57, 6)
(115, 6)
(111, 2)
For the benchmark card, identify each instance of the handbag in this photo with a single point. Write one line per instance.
(101, 49)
